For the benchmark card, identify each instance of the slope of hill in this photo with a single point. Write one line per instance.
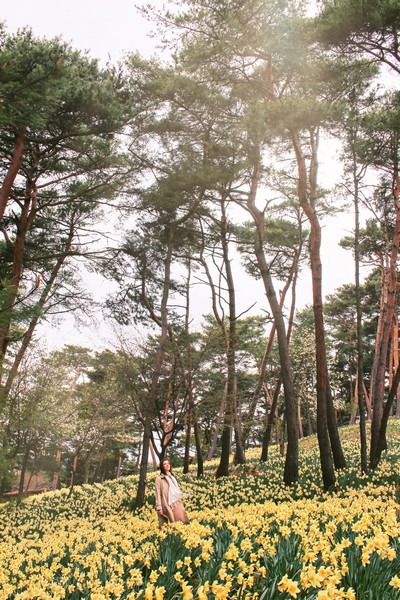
(249, 536)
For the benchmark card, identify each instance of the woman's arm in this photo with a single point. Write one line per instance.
(158, 494)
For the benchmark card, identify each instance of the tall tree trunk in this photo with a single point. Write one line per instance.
(74, 469)
(368, 406)
(118, 469)
(186, 458)
(381, 445)
(303, 384)
(26, 219)
(229, 417)
(189, 385)
(379, 330)
(396, 363)
(291, 281)
(291, 471)
(282, 440)
(159, 359)
(337, 450)
(153, 453)
(24, 467)
(307, 199)
(32, 472)
(268, 429)
(354, 410)
(56, 474)
(37, 313)
(167, 425)
(309, 423)
(223, 419)
(274, 404)
(360, 352)
(213, 447)
(12, 172)
(239, 458)
(378, 425)
(199, 450)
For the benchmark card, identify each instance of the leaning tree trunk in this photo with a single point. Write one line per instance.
(379, 329)
(38, 310)
(291, 281)
(291, 471)
(274, 404)
(381, 445)
(13, 169)
(378, 426)
(159, 359)
(28, 213)
(325, 450)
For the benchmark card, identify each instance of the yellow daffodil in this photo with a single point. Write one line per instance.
(395, 582)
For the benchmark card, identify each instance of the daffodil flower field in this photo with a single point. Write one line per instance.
(249, 537)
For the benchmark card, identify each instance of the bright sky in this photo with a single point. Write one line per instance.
(108, 29)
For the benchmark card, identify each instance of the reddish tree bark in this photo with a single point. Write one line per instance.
(12, 172)
(386, 320)
(27, 216)
(307, 202)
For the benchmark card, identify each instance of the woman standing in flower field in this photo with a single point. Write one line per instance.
(169, 503)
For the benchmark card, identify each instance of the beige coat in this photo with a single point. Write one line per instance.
(161, 493)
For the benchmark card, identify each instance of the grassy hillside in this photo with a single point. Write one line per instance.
(249, 536)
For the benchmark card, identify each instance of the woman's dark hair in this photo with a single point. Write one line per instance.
(162, 465)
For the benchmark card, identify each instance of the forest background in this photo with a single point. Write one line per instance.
(162, 177)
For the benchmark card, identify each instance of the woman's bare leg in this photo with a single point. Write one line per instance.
(179, 512)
